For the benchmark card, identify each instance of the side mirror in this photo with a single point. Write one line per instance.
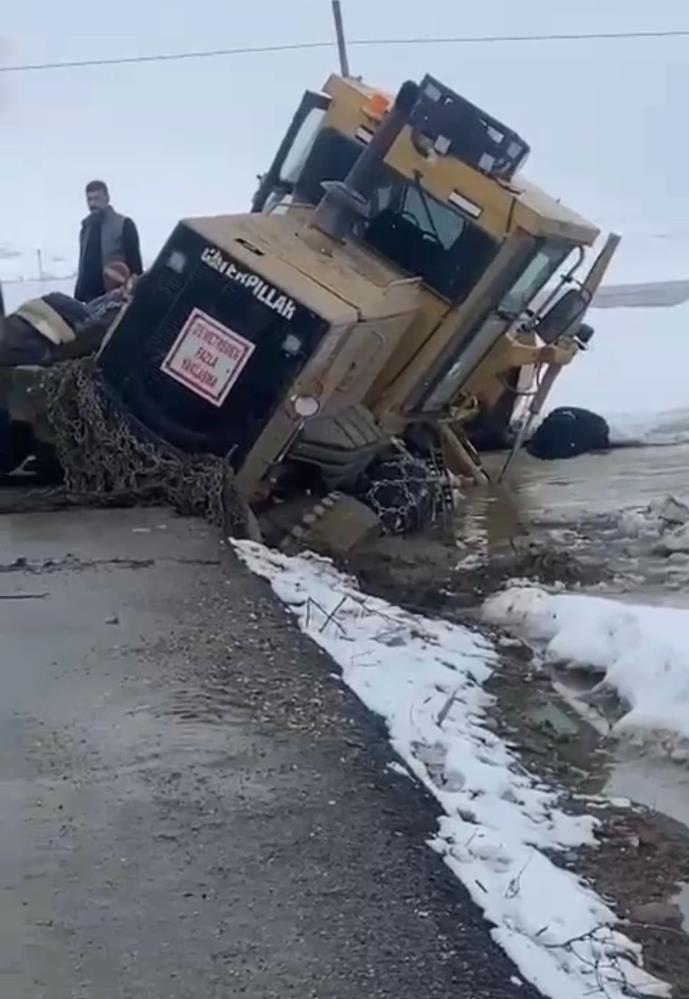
(563, 315)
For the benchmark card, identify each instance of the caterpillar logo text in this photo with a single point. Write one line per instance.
(261, 290)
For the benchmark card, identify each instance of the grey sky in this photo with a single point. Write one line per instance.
(606, 120)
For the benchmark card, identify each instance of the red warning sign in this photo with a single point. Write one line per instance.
(207, 357)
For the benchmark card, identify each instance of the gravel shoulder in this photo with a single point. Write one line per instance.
(192, 804)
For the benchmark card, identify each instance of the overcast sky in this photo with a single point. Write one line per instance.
(606, 120)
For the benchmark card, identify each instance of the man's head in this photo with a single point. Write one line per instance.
(97, 196)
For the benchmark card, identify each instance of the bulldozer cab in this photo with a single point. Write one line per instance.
(450, 207)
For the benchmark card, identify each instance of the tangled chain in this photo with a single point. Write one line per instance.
(109, 460)
(408, 493)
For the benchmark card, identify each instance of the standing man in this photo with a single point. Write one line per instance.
(106, 237)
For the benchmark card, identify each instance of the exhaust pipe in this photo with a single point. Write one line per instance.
(344, 202)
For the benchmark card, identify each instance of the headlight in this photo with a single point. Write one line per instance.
(306, 405)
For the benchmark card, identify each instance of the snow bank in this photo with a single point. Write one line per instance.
(636, 365)
(425, 678)
(661, 428)
(641, 652)
(665, 522)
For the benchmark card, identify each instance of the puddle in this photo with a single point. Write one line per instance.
(549, 714)
(656, 782)
(578, 504)
(659, 784)
(596, 483)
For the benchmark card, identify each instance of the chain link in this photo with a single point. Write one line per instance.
(111, 460)
(408, 493)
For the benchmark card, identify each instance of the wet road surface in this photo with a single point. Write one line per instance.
(192, 804)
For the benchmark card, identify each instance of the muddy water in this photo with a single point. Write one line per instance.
(659, 784)
(583, 505)
(597, 483)
(580, 503)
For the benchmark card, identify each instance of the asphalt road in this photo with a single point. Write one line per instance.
(191, 803)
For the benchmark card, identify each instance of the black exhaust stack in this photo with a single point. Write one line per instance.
(344, 202)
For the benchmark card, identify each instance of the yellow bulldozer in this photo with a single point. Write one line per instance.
(484, 241)
(344, 345)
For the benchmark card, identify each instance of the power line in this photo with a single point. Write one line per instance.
(357, 42)
(165, 57)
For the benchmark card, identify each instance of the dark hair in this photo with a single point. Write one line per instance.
(97, 185)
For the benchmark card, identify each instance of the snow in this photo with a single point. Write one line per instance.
(658, 428)
(426, 679)
(636, 365)
(663, 523)
(640, 652)
(17, 292)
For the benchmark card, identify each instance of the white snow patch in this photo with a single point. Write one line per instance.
(397, 768)
(643, 383)
(641, 652)
(661, 519)
(660, 428)
(425, 678)
(15, 293)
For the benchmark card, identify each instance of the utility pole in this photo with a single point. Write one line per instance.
(341, 40)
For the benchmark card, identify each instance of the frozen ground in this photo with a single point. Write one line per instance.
(639, 652)
(425, 679)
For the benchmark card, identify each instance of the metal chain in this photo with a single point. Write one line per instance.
(111, 460)
(444, 485)
(408, 493)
